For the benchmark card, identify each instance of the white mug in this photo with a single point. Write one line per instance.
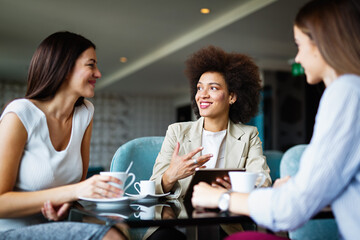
(123, 176)
(244, 182)
(145, 187)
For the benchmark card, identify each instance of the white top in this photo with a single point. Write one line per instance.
(329, 171)
(213, 142)
(41, 166)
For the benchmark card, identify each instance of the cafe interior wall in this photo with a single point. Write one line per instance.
(289, 108)
(117, 119)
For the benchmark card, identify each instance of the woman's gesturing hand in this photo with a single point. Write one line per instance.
(184, 166)
(98, 187)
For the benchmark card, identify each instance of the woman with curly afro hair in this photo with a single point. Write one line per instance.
(225, 90)
(240, 74)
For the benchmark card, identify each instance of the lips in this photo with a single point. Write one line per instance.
(204, 105)
(92, 82)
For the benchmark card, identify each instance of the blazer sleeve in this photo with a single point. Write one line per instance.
(256, 161)
(163, 162)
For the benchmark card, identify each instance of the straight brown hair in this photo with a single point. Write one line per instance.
(334, 27)
(51, 63)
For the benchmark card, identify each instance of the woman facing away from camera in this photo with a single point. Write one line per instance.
(327, 33)
(225, 91)
(45, 145)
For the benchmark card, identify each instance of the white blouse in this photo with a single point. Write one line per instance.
(213, 143)
(42, 166)
(329, 170)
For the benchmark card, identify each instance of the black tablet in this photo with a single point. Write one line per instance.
(209, 176)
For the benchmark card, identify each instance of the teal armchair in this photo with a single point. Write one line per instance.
(273, 159)
(316, 229)
(143, 151)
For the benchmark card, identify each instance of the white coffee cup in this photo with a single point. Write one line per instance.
(146, 213)
(145, 187)
(244, 182)
(123, 176)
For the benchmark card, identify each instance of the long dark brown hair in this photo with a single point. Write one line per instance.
(334, 27)
(51, 63)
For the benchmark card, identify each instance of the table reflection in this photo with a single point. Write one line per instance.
(162, 212)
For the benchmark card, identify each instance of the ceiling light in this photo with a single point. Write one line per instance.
(123, 59)
(205, 11)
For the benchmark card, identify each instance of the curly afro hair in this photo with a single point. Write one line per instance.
(241, 76)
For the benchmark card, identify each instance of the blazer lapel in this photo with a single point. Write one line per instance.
(193, 137)
(234, 146)
(192, 141)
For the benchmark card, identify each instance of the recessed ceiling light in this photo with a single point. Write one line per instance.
(123, 59)
(205, 11)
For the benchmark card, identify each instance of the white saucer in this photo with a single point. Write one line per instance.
(109, 203)
(149, 196)
(148, 205)
(104, 200)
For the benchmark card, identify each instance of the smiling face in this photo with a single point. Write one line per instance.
(309, 57)
(83, 77)
(212, 97)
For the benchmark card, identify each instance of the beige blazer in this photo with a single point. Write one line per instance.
(243, 150)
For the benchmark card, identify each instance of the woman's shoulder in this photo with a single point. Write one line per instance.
(184, 127)
(19, 103)
(21, 106)
(181, 125)
(245, 127)
(347, 81)
(26, 111)
(341, 90)
(88, 105)
(84, 113)
(87, 108)
(238, 129)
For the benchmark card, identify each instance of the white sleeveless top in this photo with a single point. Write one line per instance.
(42, 166)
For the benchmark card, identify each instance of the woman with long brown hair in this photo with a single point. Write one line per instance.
(327, 33)
(45, 144)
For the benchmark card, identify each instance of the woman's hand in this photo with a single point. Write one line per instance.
(206, 196)
(222, 183)
(98, 187)
(182, 166)
(280, 181)
(55, 213)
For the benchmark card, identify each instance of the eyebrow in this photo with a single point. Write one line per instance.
(211, 83)
(93, 60)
